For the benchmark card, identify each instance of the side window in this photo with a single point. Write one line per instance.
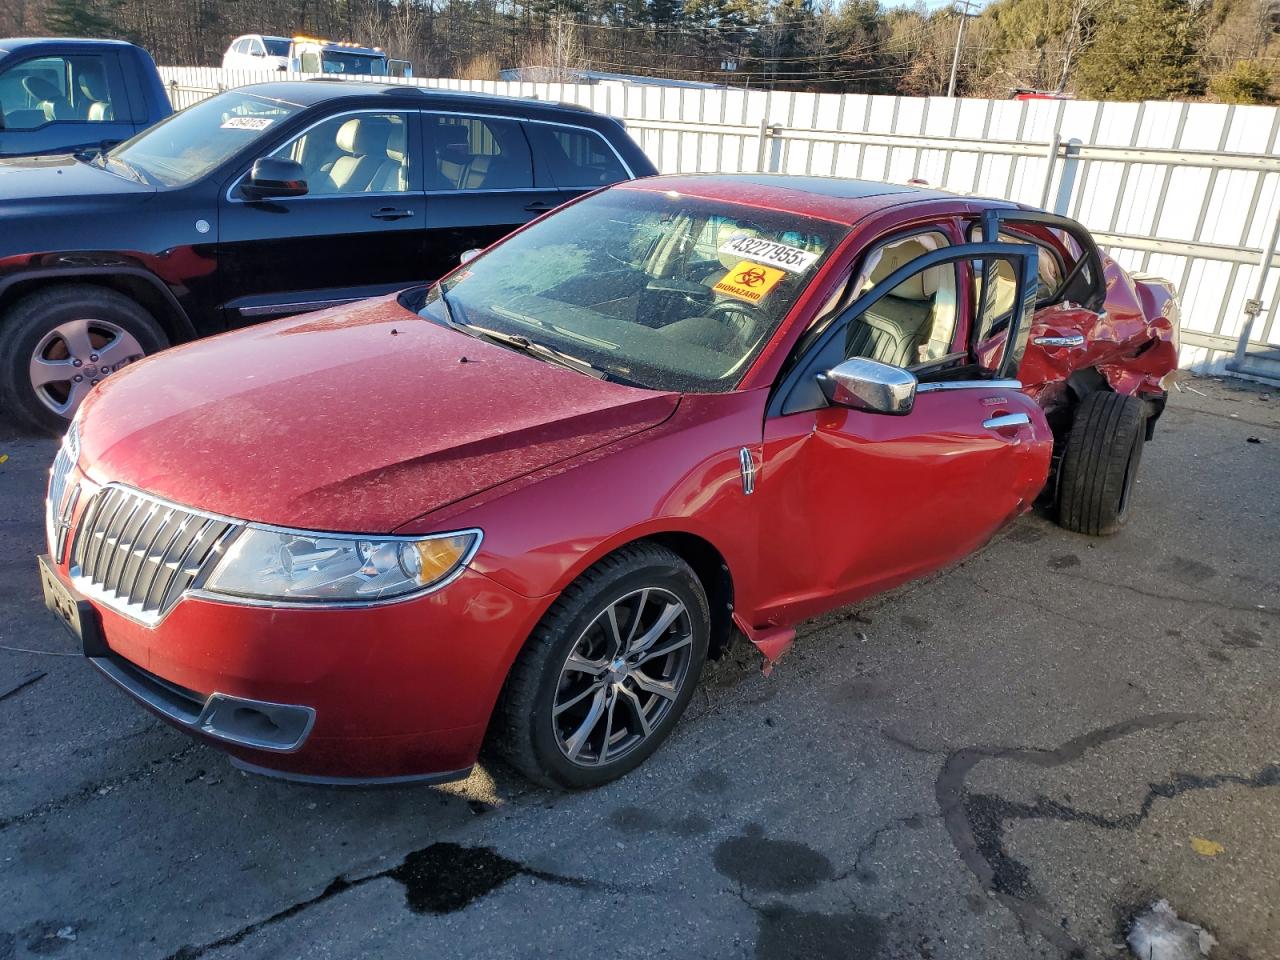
(48, 89)
(256, 49)
(241, 45)
(575, 158)
(476, 153)
(364, 153)
(915, 323)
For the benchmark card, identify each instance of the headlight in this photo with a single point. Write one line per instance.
(289, 565)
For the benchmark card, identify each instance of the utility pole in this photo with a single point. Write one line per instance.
(961, 8)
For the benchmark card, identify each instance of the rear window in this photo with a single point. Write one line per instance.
(574, 157)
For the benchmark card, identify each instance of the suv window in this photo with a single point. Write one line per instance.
(360, 153)
(48, 89)
(477, 153)
(575, 158)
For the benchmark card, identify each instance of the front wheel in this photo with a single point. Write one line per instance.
(607, 673)
(57, 344)
(1100, 463)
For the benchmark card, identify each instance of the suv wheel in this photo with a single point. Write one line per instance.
(55, 345)
(1100, 463)
(607, 673)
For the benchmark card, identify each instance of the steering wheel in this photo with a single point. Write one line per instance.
(742, 319)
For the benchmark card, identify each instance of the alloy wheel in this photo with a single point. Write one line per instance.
(74, 356)
(622, 676)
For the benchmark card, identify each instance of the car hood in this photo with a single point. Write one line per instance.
(354, 419)
(61, 175)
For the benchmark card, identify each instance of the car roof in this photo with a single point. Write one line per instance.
(14, 44)
(838, 199)
(307, 93)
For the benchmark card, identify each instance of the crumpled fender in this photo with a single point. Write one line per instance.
(1133, 344)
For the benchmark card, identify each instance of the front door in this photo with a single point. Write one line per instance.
(856, 501)
(356, 233)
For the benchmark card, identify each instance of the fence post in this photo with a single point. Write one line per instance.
(1054, 146)
(1253, 306)
(763, 153)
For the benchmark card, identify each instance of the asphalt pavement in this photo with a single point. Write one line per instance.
(1003, 761)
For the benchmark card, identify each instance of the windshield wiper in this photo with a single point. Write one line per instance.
(108, 162)
(517, 342)
(534, 349)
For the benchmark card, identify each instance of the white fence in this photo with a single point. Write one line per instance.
(1187, 191)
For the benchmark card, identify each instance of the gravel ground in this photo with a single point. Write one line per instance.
(1005, 760)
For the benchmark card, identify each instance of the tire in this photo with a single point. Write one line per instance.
(1100, 463)
(539, 742)
(57, 326)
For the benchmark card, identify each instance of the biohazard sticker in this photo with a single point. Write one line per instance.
(247, 123)
(766, 251)
(749, 281)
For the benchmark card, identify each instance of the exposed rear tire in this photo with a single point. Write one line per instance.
(45, 333)
(1100, 463)
(576, 669)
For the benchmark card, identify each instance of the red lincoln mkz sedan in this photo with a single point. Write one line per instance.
(529, 501)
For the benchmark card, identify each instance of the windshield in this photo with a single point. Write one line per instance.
(338, 61)
(657, 289)
(189, 144)
(276, 46)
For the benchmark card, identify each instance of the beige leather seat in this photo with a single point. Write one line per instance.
(392, 173)
(95, 102)
(362, 145)
(899, 328)
(48, 98)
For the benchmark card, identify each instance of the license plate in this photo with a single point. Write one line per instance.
(77, 615)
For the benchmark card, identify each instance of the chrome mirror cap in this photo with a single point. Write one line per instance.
(870, 385)
(468, 255)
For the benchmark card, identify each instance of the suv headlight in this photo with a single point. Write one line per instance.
(293, 565)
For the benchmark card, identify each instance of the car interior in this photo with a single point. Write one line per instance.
(54, 88)
(472, 154)
(915, 322)
(363, 154)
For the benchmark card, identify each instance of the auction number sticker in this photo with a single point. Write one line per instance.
(766, 251)
(247, 123)
(749, 281)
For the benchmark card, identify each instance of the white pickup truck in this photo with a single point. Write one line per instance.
(256, 51)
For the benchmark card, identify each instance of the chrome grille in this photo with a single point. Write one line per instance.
(58, 505)
(138, 554)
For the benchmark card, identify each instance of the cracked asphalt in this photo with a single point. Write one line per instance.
(1003, 761)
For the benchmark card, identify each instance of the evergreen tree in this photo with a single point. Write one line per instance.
(81, 18)
(1146, 50)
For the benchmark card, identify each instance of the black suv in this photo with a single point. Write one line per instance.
(264, 201)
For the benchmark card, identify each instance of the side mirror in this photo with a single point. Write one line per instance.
(274, 177)
(468, 255)
(869, 385)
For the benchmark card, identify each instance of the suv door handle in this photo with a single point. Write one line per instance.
(391, 213)
(540, 206)
(1072, 340)
(1007, 420)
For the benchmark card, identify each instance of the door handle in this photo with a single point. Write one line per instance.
(391, 213)
(1007, 420)
(540, 206)
(1072, 340)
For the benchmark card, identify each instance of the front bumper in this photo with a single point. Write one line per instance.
(394, 692)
